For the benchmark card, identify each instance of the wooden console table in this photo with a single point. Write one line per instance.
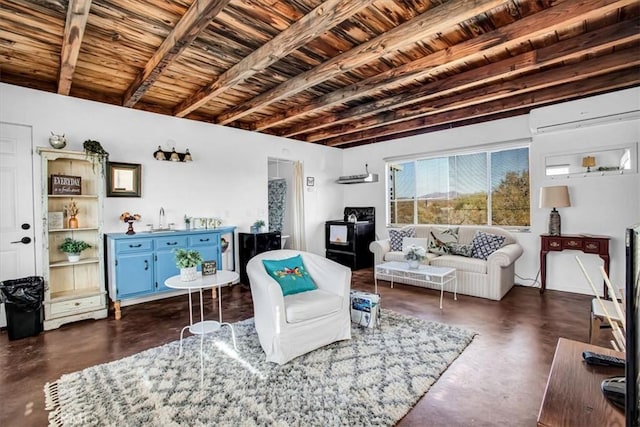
(586, 243)
(573, 396)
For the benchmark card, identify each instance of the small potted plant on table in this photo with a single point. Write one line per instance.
(188, 261)
(73, 248)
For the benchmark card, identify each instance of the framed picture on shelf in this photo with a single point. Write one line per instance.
(56, 220)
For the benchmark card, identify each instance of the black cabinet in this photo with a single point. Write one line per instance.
(252, 244)
(347, 243)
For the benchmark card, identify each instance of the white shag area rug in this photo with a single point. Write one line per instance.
(373, 379)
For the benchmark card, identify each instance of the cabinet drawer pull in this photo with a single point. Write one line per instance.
(172, 243)
(146, 264)
(135, 246)
(204, 240)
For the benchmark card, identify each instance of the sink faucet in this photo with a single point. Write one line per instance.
(161, 221)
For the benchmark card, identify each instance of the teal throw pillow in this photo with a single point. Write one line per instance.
(290, 275)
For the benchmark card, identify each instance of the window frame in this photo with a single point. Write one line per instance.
(487, 149)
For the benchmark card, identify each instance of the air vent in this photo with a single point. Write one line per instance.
(358, 179)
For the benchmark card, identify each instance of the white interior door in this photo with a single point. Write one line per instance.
(17, 247)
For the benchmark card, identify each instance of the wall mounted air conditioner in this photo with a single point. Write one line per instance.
(594, 111)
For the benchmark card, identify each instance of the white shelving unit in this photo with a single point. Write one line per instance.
(73, 290)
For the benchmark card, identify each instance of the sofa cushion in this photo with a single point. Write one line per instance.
(309, 305)
(290, 275)
(415, 241)
(396, 236)
(399, 256)
(484, 244)
(440, 237)
(461, 263)
(460, 249)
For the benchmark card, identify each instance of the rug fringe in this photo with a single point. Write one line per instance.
(52, 403)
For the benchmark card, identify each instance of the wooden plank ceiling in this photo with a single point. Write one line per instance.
(335, 72)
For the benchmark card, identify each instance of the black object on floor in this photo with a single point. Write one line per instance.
(23, 302)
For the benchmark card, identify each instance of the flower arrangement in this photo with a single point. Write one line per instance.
(127, 217)
(415, 253)
(71, 210)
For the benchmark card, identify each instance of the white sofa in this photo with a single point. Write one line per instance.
(490, 279)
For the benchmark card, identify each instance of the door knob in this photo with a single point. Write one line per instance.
(25, 240)
(25, 226)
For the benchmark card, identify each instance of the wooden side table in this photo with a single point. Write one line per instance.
(573, 397)
(586, 243)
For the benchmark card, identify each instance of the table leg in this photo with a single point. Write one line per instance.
(455, 286)
(220, 303)
(441, 291)
(213, 293)
(375, 282)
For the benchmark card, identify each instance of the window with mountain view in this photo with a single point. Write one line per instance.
(489, 187)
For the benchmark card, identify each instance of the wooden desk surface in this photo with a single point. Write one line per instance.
(573, 396)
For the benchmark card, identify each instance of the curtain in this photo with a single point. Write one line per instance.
(298, 238)
(277, 203)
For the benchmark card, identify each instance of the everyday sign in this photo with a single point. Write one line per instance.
(64, 184)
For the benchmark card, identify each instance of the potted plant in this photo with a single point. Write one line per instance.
(257, 226)
(414, 255)
(187, 260)
(73, 248)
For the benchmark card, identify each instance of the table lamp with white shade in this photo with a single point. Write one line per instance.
(554, 197)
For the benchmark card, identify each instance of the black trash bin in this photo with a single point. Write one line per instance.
(23, 303)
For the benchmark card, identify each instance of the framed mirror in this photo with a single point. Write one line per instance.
(123, 179)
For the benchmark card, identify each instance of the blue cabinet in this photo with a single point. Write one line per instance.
(139, 264)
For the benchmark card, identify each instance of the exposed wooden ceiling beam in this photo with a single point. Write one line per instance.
(585, 44)
(194, 21)
(616, 80)
(320, 20)
(77, 15)
(430, 23)
(549, 20)
(553, 77)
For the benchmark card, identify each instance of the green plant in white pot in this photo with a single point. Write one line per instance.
(187, 260)
(257, 226)
(73, 248)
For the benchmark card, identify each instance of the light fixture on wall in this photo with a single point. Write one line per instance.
(554, 197)
(588, 162)
(172, 155)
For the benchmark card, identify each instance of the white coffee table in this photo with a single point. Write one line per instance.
(423, 274)
(218, 280)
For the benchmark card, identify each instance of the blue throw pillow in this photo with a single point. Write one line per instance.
(290, 275)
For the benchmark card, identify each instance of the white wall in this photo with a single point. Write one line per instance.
(600, 204)
(228, 177)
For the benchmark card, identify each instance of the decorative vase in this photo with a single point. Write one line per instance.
(188, 274)
(73, 257)
(73, 222)
(130, 229)
(414, 264)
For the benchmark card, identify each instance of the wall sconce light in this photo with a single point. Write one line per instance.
(172, 155)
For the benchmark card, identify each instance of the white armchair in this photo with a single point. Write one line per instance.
(292, 325)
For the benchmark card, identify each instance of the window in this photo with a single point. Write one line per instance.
(486, 188)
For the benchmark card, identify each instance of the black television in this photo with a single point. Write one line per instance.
(629, 385)
(632, 331)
